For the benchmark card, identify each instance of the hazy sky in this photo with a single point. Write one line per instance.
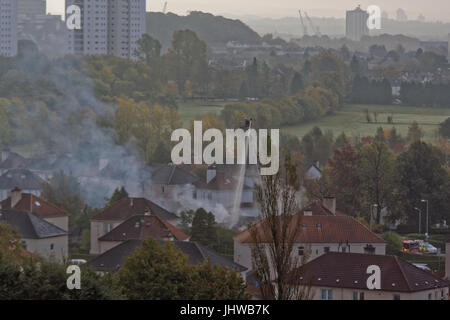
(431, 9)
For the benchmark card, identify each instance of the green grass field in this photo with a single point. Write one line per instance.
(190, 110)
(352, 120)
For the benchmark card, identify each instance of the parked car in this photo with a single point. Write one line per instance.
(78, 261)
(425, 247)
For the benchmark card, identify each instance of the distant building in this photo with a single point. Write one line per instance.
(141, 227)
(356, 24)
(38, 236)
(401, 15)
(19, 200)
(343, 276)
(31, 7)
(20, 178)
(121, 211)
(322, 229)
(112, 260)
(108, 27)
(8, 28)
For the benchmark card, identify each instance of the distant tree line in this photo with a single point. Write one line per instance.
(371, 91)
(429, 94)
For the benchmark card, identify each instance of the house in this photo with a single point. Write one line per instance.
(23, 179)
(169, 182)
(317, 235)
(113, 259)
(314, 172)
(11, 160)
(119, 212)
(221, 189)
(141, 227)
(343, 276)
(29, 202)
(447, 260)
(38, 236)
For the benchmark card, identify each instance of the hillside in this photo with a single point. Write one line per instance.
(215, 30)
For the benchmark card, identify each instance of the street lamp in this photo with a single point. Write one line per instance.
(371, 214)
(420, 218)
(423, 200)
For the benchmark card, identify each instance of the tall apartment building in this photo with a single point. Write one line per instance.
(32, 7)
(356, 24)
(108, 27)
(8, 28)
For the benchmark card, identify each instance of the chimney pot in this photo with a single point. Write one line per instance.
(330, 204)
(16, 196)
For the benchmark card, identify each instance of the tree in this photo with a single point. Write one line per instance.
(63, 190)
(117, 195)
(273, 240)
(187, 58)
(160, 272)
(148, 50)
(10, 245)
(420, 175)
(344, 179)
(296, 84)
(415, 133)
(394, 242)
(215, 282)
(376, 172)
(203, 228)
(444, 128)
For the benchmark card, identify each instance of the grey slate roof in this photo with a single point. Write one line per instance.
(29, 225)
(172, 175)
(113, 259)
(22, 178)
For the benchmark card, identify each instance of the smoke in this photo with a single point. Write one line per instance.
(70, 129)
(181, 199)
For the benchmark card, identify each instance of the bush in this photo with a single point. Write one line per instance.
(394, 242)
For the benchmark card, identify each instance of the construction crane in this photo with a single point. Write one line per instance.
(316, 30)
(305, 28)
(165, 8)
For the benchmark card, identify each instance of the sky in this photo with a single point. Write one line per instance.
(432, 9)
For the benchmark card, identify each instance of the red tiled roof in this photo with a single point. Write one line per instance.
(322, 229)
(142, 227)
(39, 206)
(128, 207)
(349, 270)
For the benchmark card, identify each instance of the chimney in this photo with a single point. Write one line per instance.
(330, 204)
(102, 163)
(147, 212)
(4, 155)
(16, 196)
(210, 174)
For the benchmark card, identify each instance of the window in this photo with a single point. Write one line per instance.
(369, 249)
(327, 294)
(358, 295)
(301, 251)
(430, 296)
(52, 246)
(396, 297)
